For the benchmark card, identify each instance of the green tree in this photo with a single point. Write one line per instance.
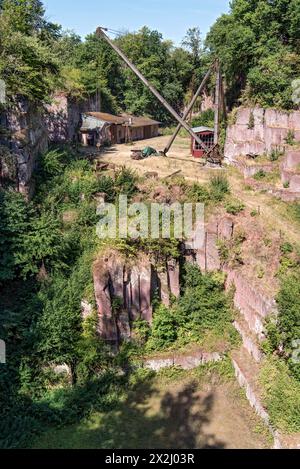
(27, 63)
(258, 44)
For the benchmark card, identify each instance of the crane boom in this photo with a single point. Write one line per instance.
(100, 32)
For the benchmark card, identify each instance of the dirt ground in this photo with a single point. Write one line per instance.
(274, 212)
(169, 413)
(164, 166)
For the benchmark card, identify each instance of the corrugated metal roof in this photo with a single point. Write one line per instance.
(202, 129)
(91, 123)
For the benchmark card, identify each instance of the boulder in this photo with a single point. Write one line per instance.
(225, 228)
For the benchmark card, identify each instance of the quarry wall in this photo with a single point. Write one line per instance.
(258, 131)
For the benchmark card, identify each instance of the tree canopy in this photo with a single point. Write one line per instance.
(258, 43)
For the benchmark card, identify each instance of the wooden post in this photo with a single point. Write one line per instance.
(223, 98)
(217, 105)
(189, 109)
(100, 32)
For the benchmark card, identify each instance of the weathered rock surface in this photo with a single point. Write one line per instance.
(63, 117)
(184, 361)
(290, 170)
(258, 131)
(132, 286)
(26, 137)
(253, 304)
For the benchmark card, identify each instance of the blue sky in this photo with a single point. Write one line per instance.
(171, 17)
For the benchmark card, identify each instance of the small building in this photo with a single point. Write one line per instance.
(206, 135)
(141, 128)
(100, 127)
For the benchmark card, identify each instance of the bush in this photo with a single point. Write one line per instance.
(261, 174)
(290, 138)
(106, 185)
(53, 162)
(275, 154)
(219, 187)
(281, 396)
(126, 181)
(288, 323)
(204, 304)
(164, 329)
(234, 207)
(198, 193)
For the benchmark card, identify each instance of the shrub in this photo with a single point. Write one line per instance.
(204, 304)
(251, 123)
(164, 330)
(198, 193)
(126, 181)
(261, 174)
(286, 248)
(275, 154)
(290, 138)
(234, 207)
(105, 184)
(53, 162)
(142, 330)
(281, 396)
(288, 323)
(219, 187)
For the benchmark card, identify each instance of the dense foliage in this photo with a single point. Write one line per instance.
(202, 308)
(258, 44)
(47, 245)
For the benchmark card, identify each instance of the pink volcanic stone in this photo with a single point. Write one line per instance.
(107, 328)
(292, 159)
(295, 183)
(275, 118)
(225, 229)
(164, 287)
(145, 292)
(212, 253)
(294, 120)
(173, 272)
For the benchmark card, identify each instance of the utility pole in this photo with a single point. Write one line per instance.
(189, 109)
(100, 32)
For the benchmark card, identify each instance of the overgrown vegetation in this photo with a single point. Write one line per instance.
(281, 396)
(201, 314)
(258, 44)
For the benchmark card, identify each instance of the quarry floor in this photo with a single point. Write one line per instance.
(169, 413)
(276, 214)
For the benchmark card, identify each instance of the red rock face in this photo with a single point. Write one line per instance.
(269, 129)
(225, 228)
(107, 327)
(290, 171)
(254, 305)
(292, 159)
(173, 274)
(134, 287)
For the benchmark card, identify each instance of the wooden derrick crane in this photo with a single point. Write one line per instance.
(213, 155)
